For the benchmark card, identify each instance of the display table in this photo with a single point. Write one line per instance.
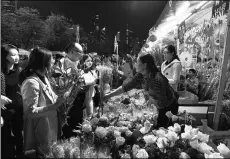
(201, 110)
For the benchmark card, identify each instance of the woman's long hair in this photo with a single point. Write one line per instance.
(39, 59)
(84, 58)
(172, 49)
(149, 60)
(5, 50)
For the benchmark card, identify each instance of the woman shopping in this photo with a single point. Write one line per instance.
(155, 84)
(91, 78)
(171, 68)
(40, 103)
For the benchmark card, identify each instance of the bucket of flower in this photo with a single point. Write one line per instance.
(182, 118)
(126, 136)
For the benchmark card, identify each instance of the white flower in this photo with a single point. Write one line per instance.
(204, 148)
(86, 128)
(174, 118)
(110, 128)
(128, 133)
(126, 155)
(135, 149)
(116, 133)
(186, 135)
(101, 132)
(203, 137)
(150, 139)
(171, 128)
(144, 130)
(94, 121)
(224, 150)
(142, 154)
(172, 136)
(120, 141)
(194, 131)
(160, 133)
(177, 127)
(187, 128)
(169, 114)
(184, 155)
(213, 155)
(162, 142)
(194, 144)
(123, 129)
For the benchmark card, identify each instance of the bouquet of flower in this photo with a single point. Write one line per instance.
(105, 74)
(66, 83)
(182, 117)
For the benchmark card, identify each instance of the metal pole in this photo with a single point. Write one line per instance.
(225, 58)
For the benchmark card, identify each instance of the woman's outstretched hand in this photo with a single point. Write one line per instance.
(106, 97)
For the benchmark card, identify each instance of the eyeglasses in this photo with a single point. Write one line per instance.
(77, 52)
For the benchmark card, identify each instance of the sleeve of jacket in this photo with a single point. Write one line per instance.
(162, 89)
(30, 95)
(137, 79)
(176, 73)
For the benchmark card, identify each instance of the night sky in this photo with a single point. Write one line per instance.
(115, 15)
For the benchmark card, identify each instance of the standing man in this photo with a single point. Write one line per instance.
(73, 57)
(75, 114)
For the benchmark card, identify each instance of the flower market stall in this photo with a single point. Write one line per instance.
(199, 30)
(126, 125)
(128, 131)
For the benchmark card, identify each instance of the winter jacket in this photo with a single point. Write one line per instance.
(172, 72)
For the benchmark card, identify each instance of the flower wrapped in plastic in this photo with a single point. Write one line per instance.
(224, 150)
(66, 83)
(105, 77)
(101, 132)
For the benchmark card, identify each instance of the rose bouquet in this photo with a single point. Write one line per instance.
(66, 83)
(105, 74)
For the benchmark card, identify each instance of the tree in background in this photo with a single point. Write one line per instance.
(25, 28)
(20, 27)
(58, 33)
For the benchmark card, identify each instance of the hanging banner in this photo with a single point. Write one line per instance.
(197, 42)
(181, 32)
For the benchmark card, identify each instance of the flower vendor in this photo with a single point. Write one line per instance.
(156, 85)
(171, 68)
